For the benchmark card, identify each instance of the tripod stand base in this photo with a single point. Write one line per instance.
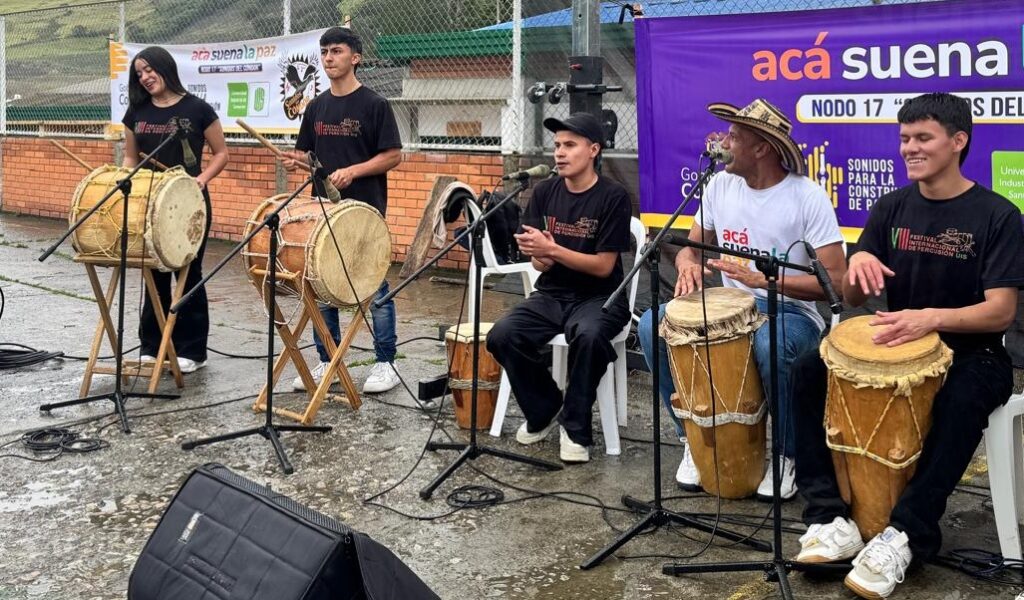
(658, 517)
(117, 397)
(269, 432)
(774, 570)
(472, 452)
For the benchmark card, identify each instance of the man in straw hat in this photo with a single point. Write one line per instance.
(574, 230)
(761, 204)
(947, 252)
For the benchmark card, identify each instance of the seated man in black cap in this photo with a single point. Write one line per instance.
(574, 229)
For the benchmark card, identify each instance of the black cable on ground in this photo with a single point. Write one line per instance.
(49, 443)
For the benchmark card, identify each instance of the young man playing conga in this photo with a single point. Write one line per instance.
(353, 132)
(574, 229)
(947, 253)
(764, 204)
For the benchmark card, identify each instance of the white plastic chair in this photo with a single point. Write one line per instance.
(1003, 445)
(611, 392)
(491, 267)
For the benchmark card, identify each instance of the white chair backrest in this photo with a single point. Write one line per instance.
(639, 232)
(490, 258)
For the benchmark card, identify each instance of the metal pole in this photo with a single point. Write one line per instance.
(3, 75)
(286, 7)
(587, 65)
(120, 22)
(518, 103)
(586, 27)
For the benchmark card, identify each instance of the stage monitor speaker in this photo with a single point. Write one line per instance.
(224, 537)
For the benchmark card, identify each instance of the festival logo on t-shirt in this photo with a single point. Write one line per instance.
(584, 228)
(347, 128)
(300, 83)
(951, 243)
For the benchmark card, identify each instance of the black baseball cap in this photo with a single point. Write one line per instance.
(580, 123)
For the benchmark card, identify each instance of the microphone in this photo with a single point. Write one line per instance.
(320, 174)
(717, 153)
(537, 171)
(834, 303)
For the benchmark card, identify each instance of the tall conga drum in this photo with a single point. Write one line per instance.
(733, 427)
(460, 343)
(877, 414)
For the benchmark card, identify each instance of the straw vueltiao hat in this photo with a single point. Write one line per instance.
(770, 123)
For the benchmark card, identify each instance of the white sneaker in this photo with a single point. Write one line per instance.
(187, 365)
(880, 565)
(571, 452)
(527, 437)
(787, 487)
(687, 475)
(382, 378)
(830, 542)
(147, 358)
(317, 372)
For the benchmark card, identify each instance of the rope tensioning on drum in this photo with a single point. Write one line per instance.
(467, 384)
(862, 449)
(733, 414)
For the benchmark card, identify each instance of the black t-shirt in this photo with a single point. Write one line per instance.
(347, 130)
(152, 125)
(946, 253)
(596, 220)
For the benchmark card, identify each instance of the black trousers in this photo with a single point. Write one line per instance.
(976, 384)
(516, 340)
(192, 328)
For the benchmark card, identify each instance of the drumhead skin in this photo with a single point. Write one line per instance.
(464, 332)
(730, 312)
(166, 216)
(850, 354)
(176, 220)
(365, 243)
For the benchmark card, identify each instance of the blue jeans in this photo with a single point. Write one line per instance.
(797, 334)
(384, 336)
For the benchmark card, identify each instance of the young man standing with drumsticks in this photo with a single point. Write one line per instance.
(947, 253)
(762, 203)
(352, 131)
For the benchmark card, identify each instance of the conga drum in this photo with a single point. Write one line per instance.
(735, 428)
(166, 217)
(459, 341)
(341, 275)
(877, 414)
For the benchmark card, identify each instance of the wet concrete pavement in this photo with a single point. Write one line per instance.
(72, 528)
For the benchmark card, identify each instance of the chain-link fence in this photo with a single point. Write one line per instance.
(456, 71)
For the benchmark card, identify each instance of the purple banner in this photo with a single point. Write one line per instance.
(841, 76)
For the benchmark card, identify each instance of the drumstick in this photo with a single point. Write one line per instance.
(259, 138)
(71, 154)
(159, 164)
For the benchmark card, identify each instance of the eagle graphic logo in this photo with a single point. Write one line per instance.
(300, 83)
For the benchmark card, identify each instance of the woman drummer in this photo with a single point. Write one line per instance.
(158, 106)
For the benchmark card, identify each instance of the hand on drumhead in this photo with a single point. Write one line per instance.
(868, 273)
(739, 273)
(903, 326)
(691, 278)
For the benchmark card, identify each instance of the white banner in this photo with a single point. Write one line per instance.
(266, 82)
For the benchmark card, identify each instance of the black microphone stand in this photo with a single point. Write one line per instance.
(472, 450)
(777, 568)
(118, 396)
(268, 430)
(657, 515)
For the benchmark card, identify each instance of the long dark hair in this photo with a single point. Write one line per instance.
(160, 61)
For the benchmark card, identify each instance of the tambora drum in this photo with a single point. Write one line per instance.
(460, 343)
(166, 217)
(341, 275)
(733, 428)
(877, 414)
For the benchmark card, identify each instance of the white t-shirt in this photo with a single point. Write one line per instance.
(768, 222)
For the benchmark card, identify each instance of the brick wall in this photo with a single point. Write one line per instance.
(39, 179)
